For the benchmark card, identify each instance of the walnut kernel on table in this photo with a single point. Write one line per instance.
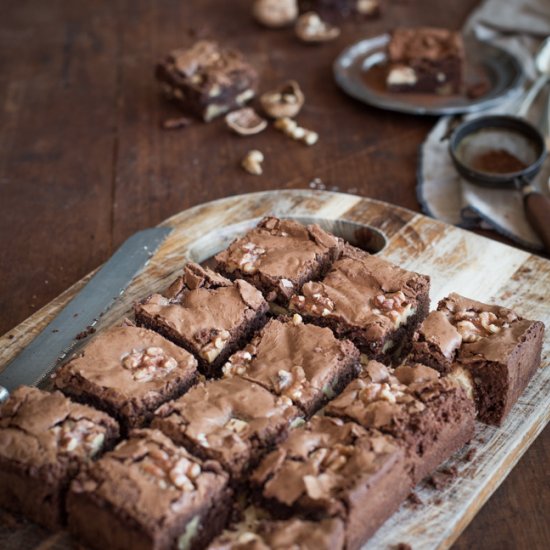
(275, 13)
(245, 122)
(252, 162)
(312, 29)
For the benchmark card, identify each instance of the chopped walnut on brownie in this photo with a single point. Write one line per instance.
(148, 493)
(207, 314)
(425, 59)
(331, 468)
(431, 417)
(44, 440)
(491, 350)
(206, 79)
(231, 420)
(374, 303)
(303, 363)
(128, 372)
(279, 256)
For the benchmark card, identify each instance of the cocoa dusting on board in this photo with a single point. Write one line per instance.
(498, 161)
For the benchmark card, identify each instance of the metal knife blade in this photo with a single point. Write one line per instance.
(58, 339)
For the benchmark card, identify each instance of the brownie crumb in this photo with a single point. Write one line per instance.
(414, 499)
(176, 123)
(440, 479)
(11, 336)
(470, 455)
(402, 546)
(85, 333)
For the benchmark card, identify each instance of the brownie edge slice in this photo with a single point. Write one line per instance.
(44, 440)
(149, 494)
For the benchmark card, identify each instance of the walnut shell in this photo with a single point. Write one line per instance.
(245, 122)
(284, 102)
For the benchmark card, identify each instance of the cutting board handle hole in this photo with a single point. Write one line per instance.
(360, 235)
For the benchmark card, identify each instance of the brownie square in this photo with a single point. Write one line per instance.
(490, 349)
(330, 468)
(128, 372)
(206, 79)
(374, 303)
(44, 440)
(231, 420)
(279, 256)
(303, 363)
(431, 417)
(148, 494)
(205, 313)
(425, 59)
(295, 533)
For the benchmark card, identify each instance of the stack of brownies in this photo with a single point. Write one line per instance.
(242, 428)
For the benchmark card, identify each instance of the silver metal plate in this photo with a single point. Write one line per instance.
(359, 72)
(59, 338)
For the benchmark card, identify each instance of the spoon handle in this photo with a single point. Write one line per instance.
(531, 95)
(537, 210)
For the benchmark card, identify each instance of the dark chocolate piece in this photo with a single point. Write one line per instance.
(128, 372)
(44, 440)
(207, 80)
(425, 59)
(303, 363)
(329, 468)
(148, 494)
(374, 303)
(231, 420)
(279, 256)
(431, 417)
(205, 313)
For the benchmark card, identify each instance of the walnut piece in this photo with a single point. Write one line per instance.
(312, 29)
(252, 162)
(393, 305)
(215, 346)
(166, 470)
(314, 303)
(245, 122)
(290, 128)
(285, 101)
(149, 363)
(275, 13)
(474, 325)
(74, 436)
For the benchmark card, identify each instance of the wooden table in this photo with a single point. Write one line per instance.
(84, 162)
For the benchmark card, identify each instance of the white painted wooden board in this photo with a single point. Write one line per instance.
(455, 259)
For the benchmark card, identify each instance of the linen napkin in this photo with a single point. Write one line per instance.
(518, 26)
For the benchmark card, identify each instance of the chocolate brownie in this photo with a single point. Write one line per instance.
(148, 494)
(206, 79)
(431, 417)
(331, 468)
(207, 314)
(128, 372)
(231, 420)
(367, 299)
(304, 363)
(425, 59)
(279, 256)
(490, 349)
(44, 440)
(299, 534)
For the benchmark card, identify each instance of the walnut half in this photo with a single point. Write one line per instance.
(312, 29)
(245, 122)
(275, 13)
(285, 101)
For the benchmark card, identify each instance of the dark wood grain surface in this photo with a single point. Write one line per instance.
(84, 162)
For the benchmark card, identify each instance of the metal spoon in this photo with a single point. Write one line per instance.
(542, 63)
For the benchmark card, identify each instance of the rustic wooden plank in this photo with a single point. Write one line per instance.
(455, 259)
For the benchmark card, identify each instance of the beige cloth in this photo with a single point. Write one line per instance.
(519, 26)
